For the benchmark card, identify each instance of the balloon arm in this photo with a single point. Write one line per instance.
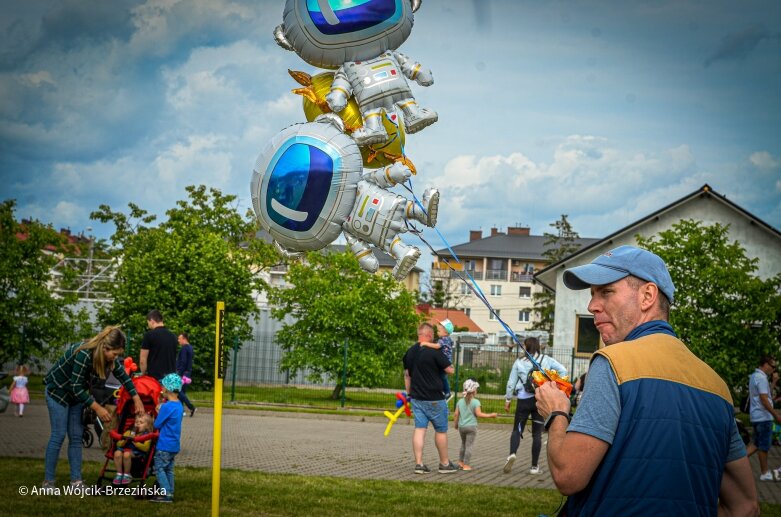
(388, 176)
(286, 253)
(340, 91)
(281, 39)
(414, 71)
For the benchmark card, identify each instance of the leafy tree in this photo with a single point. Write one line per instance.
(725, 314)
(203, 253)
(558, 245)
(34, 322)
(443, 292)
(330, 300)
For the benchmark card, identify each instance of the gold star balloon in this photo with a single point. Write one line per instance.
(315, 88)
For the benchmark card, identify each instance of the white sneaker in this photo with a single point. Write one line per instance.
(767, 476)
(534, 470)
(508, 465)
(777, 474)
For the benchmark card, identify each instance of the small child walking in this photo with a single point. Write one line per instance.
(465, 420)
(127, 448)
(19, 394)
(169, 423)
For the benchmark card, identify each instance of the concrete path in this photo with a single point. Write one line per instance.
(324, 445)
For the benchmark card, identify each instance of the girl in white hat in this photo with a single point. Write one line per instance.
(465, 419)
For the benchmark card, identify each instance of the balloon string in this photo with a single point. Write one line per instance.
(473, 287)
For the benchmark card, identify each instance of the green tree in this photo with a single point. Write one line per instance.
(34, 322)
(330, 300)
(725, 314)
(204, 252)
(442, 292)
(558, 245)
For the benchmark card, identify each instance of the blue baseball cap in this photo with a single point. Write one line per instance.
(620, 263)
(448, 325)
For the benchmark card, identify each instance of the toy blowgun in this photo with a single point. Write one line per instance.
(541, 376)
(552, 375)
(402, 403)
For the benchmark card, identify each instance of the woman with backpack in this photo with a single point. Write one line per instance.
(521, 386)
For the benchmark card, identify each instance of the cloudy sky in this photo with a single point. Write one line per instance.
(605, 110)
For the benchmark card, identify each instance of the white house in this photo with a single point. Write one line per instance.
(573, 324)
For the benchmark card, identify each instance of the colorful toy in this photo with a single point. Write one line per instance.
(402, 403)
(561, 382)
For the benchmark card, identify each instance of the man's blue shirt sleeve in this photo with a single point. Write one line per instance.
(600, 407)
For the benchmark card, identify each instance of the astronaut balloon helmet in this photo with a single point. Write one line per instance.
(327, 33)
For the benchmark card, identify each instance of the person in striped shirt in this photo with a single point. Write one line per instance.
(67, 392)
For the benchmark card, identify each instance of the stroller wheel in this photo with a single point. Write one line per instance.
(87, 438)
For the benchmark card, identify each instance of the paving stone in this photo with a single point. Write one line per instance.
(325, 445)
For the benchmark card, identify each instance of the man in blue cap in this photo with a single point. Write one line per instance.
(655, 432)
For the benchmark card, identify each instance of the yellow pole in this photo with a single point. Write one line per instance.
(219, 374)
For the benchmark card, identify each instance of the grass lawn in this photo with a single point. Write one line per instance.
(255, 493)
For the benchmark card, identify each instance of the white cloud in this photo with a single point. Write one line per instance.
(602, 186)
(37, 78)
(763, 160)
(202, 159)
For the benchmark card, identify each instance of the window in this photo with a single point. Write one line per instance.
(523, 316)
(494, 315)
(586, 335)
(524, 292)
(468, 312)
(465, 290)
(497, 264)
(496, 290)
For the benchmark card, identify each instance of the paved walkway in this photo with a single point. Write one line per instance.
(323, 445)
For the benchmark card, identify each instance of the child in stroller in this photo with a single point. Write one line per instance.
(135, 443)
(140, 464)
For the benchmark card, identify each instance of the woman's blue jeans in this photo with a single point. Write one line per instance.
(64, 420)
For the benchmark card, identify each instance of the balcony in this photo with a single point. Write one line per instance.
(477, 275)
(496, 274)
(521, 277)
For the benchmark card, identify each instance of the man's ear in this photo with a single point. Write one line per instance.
(649, 293)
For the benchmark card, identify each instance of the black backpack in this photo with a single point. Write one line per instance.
(528, 384)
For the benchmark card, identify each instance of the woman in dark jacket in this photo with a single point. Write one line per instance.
(67, 392)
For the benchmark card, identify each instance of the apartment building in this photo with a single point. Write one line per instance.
(502, 265)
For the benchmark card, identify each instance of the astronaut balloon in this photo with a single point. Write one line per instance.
(309, 185)
(358, 39)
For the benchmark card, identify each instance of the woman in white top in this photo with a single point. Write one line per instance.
(526, 406)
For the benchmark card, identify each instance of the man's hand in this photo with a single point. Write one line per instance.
(550, 398)
(507, 404)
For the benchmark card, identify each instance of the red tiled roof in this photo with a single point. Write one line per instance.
(458, 317)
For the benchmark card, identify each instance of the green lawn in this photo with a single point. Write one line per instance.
(254, 493)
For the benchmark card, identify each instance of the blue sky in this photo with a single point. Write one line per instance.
(602, 110)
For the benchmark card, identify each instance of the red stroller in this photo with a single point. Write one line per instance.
(141, 467)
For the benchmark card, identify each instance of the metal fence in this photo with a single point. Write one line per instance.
(255, 375)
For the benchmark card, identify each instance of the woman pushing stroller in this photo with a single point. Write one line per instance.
(67, 391)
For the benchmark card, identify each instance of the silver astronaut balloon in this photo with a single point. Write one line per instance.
(308, 185)
(359, 38)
